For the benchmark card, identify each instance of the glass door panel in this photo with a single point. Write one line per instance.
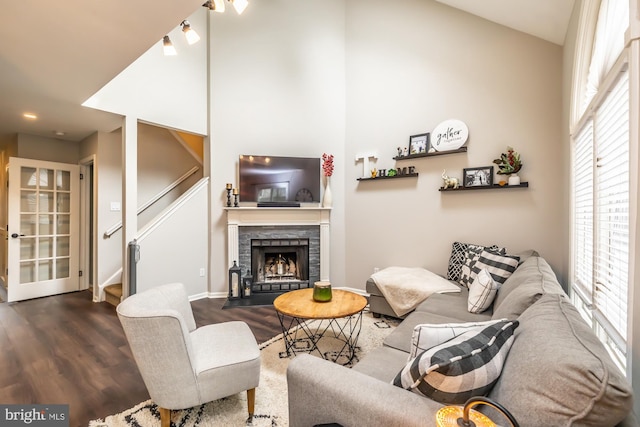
(63, 180)
(27, 248)
(62, 268)
(45, 270)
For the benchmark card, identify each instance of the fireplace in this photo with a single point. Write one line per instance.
(280, 258)
(310, 225)
(279, 264)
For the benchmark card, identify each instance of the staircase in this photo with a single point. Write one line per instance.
(113, 294)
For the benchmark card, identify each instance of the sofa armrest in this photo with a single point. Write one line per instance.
(323, 392)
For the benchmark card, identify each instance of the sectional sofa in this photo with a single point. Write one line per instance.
(556, 373)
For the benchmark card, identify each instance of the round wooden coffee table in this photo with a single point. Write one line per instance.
(305, 322)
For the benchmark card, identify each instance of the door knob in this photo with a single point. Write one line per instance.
(16, 235)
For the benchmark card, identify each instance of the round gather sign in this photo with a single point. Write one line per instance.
(449, 135)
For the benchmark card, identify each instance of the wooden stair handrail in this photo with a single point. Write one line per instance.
(111, 231)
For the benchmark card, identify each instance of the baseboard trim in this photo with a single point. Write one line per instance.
(224, 294)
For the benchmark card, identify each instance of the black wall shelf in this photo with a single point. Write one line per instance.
(488, 187)
(378, 178)
(437, 153)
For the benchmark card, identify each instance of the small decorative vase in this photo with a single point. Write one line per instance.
(322, 291)
(327, 198)
(514, 179)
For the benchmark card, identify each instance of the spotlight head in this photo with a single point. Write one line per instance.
(167, 47)
(215, 5)
(189, 33)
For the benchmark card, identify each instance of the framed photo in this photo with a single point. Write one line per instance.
(478, 177)
(419, 144)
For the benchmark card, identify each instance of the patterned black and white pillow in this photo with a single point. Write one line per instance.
(427, 335)
(459, 252)
(482, 292)
(500, 266)
(465, 366)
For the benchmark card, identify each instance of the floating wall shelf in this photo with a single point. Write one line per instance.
(378, 178)
(488, 187)
(437, 153)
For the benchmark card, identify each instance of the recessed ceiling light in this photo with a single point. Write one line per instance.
(29, 116)
(59, 133)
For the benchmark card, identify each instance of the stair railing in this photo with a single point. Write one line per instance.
(112, 230)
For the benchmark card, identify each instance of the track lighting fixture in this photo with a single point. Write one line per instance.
(189, 33)
(218, 5)
(167, 47)
(215, 5)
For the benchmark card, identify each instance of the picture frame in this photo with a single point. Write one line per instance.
(478, 177)
(419, 144)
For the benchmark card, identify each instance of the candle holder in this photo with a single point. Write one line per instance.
(228, 197)
(235, 200)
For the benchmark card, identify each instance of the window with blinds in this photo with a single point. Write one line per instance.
(583, 212)
(601, 216)
(611, 260)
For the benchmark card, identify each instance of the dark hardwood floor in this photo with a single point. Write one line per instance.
(66, 349)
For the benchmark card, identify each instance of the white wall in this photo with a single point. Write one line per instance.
(166, 90)
(48, 149)
(413, 65)
(278, 88)
(177, 250)
(107, 172)
(161, 160)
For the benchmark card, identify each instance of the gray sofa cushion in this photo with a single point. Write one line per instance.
(558, 366)
(400, 339)
(525, 286)
(382, 363)
(454, 305)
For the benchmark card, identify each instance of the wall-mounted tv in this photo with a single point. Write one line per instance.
(273, 179)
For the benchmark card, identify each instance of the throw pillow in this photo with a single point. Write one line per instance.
(466, 272)
(500, 266)
(482, 292)
(458, 256)
(465, 366)
(427, 335)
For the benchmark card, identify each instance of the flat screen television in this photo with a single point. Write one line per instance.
(274, 180)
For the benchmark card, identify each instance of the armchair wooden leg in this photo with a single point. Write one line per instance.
(251, 401)
(165, 417)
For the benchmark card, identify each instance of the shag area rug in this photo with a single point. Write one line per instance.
(271, 395)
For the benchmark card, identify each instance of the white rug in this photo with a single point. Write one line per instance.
(271, 395)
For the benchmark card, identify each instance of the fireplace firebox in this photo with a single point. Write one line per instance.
(279, 265)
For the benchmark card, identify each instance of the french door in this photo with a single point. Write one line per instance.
(43, 228)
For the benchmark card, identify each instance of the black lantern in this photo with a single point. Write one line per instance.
(247, 280)
(235, 283)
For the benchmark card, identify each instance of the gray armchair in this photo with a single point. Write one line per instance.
(183, 366)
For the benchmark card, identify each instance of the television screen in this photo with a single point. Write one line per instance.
(272, 179)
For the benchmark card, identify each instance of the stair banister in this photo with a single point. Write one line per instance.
(111, 231)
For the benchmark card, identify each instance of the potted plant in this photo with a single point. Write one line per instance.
(510, 164)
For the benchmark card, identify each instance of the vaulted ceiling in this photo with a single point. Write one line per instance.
(54, 56)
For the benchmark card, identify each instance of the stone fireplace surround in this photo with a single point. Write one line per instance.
(313, 223)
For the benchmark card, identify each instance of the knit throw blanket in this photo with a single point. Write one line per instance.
(404, 288)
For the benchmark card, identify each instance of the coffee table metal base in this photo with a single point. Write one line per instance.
(303, 337)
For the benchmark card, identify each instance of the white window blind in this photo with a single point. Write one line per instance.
(611, 258)
(613, 20)
(583, 212)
